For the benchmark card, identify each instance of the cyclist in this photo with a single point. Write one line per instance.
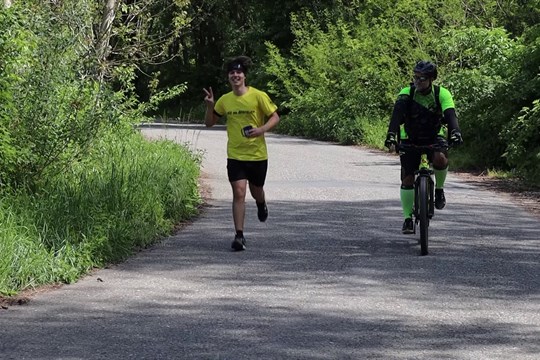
(246, 110)
(421, 119)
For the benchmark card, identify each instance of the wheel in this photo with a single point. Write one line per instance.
(423, 214)
(431, 202)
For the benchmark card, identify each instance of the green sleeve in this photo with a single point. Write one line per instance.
(405, 91)
(446, 99)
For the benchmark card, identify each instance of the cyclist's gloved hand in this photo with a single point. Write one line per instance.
(455, 137)
(391, 140)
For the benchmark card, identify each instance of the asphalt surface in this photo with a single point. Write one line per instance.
(328, 276)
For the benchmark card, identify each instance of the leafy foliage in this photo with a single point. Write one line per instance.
(340, 77)
(522, 133)
(10, 43)
(478, 66)
(79, 187)
(124, 196)
(336, 77)
(53, 112)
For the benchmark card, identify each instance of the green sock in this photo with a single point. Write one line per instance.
(407, 202)
(440, 178)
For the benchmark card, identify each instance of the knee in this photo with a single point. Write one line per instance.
(407, 182)
(440, 161)
(239, 193)
(256, 190)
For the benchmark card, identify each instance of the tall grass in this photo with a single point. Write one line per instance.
(22, 259)
(127, 195)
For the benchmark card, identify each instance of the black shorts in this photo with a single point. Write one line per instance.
(410, 160)
(253, 171)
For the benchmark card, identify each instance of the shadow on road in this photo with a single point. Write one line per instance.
(320, 280)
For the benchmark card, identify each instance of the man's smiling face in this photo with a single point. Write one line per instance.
(236, 78)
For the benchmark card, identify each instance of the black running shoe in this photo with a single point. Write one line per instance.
(440, 200)
(239, 243)
(408, 226)
(262, 212)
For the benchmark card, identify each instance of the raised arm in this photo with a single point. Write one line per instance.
(210, 118)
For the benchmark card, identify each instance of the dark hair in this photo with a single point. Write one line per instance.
(242, 63)
(427, 68)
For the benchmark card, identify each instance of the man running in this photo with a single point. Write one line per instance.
(246, 110)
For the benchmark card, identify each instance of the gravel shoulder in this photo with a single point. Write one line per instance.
(526, 196)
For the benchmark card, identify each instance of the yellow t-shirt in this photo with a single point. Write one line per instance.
(252, 108)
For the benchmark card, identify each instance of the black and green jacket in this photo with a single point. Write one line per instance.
(421, 118)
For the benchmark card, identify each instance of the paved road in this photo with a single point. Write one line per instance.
(329, 276)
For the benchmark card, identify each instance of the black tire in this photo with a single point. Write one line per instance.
(423, 214)
(431, 199)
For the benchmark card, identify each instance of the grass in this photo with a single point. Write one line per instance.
(127, 195)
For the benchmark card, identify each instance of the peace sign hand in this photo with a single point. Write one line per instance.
(209, 98)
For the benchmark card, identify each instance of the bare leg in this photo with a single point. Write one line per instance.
(440, 165)
(440, 161)
(257, 192)
(239, 203)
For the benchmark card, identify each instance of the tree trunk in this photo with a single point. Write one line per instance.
(102, 46)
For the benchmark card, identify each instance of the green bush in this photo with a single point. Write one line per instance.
(26, 261)
(340, 79)
(128, 193)
(523, 150)
(51, 109)
(11, 43)
(335, 77)
(478, 68)
(125, 196)
(522, 132)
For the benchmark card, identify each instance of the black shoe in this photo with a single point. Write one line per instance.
(440, 200)
(262, 212)
(239, 243)
(408, 226)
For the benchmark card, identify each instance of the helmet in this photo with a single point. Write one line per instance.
(427, 68)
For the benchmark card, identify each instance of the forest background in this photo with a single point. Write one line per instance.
(80, 188)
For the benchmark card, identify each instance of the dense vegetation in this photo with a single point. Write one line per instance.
(335, 67)
(80, 188)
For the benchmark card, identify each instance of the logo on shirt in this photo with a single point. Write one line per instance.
(240, 112)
